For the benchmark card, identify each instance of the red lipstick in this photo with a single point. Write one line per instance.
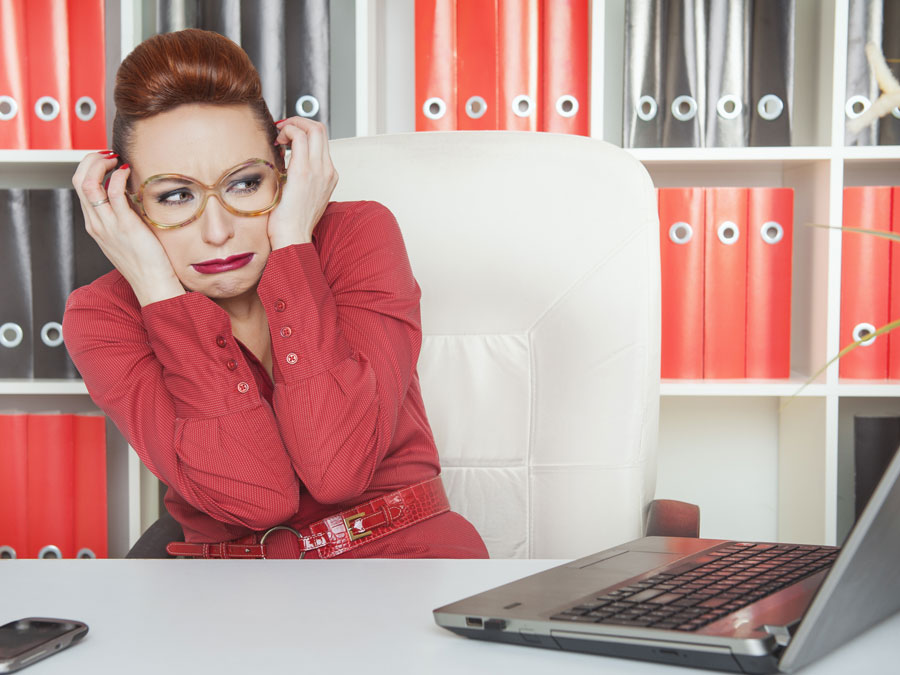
(219, 265)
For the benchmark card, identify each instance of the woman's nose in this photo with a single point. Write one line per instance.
(215, 223)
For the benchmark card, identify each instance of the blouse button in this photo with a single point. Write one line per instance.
(231, 364)
(280, 305)
(286, 332)
(292, 358)
(243, 387)
(221, 341)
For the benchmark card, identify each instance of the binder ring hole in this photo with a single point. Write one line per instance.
(46, 108)
(11, 335)
(647, 108)
(729, 107)
(50, 552)
(896, 112)
(861, 330)
(567, 105)
(770, 107)
(728, 233)
(7, 553)
(681, 232)
(771, 232)
(51, 334)
(476, 107)
(85, 554)
(307, 106)
(684, 108)
(85, 108)
(522, 105)
(856, 106)
(434, 108)
(8, 108)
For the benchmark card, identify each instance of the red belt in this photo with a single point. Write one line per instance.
(339, 533)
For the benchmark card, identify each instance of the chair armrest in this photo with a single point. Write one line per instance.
(670, 518)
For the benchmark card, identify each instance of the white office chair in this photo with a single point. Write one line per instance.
(538, 259)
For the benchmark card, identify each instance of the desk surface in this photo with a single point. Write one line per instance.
(280, 616)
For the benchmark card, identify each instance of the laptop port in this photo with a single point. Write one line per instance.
(474, 622)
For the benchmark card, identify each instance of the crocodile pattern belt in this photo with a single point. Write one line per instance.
(335, 534)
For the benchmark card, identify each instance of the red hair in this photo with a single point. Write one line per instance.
(187, 66)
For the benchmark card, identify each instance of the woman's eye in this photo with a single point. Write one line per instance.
(175, 198)
(244, 185)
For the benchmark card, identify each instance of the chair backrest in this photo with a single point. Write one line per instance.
(538, 259)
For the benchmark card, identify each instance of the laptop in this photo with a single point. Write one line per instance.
(735, 606)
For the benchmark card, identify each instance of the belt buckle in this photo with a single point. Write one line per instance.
(351, 532)
(262, 539)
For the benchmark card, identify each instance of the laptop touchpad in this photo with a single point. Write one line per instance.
(632, 562)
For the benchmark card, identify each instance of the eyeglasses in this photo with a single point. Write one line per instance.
(170, 200)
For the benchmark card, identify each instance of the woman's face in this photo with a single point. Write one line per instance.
(202, 142)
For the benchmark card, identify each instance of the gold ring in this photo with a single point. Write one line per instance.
(105, 200)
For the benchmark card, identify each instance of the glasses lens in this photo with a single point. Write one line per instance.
(250, 189)
(247, 190)
(169, 201)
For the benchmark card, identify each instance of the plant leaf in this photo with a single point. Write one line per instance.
(877, 233)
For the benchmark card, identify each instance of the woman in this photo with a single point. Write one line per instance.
(256, 344)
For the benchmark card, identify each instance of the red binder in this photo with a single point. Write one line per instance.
(566, 67)
(681, 246)
(894, 293)
(725, 284)
(49, 106)
(13, 467)
(865, 269)
(50, 485)
(435, 65)
(87, 76)
(476, 69)
(90, 486)
(13, 72)
(770, 228)
(518, 57)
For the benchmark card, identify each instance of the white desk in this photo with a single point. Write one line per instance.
(285, 616)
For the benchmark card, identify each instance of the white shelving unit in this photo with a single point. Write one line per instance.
(763, 459)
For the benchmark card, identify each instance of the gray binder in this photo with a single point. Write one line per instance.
(262, 37)
(685, 73)
(772, 72)
(307, 59)
(221, 16)
(15, 279)
(728, 79)
(172, 15)
(864, 25)
(52, 278)
(645, 48)
(90, 262)
(889, 125)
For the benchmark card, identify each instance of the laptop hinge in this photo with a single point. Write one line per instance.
(781, 634)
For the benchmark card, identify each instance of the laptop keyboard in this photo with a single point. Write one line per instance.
(698, 593)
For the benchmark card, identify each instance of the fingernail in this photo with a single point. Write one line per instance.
(280, 121)
(111, 155)
(106, 184)
(276, 143)
(124, 166)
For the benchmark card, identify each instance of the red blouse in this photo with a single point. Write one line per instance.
(343, 421)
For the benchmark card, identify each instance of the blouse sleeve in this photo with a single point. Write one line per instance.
(345, 340)
(162, 375)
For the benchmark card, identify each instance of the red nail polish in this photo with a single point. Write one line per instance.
(124, 166)
(280, 121)
(106, 184)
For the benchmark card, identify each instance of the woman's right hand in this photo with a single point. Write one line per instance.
(121, 234)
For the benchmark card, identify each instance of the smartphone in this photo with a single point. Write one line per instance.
(27, 641)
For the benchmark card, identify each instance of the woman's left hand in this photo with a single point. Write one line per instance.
(311, 178)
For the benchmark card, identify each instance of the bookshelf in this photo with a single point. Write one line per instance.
(761, 462)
